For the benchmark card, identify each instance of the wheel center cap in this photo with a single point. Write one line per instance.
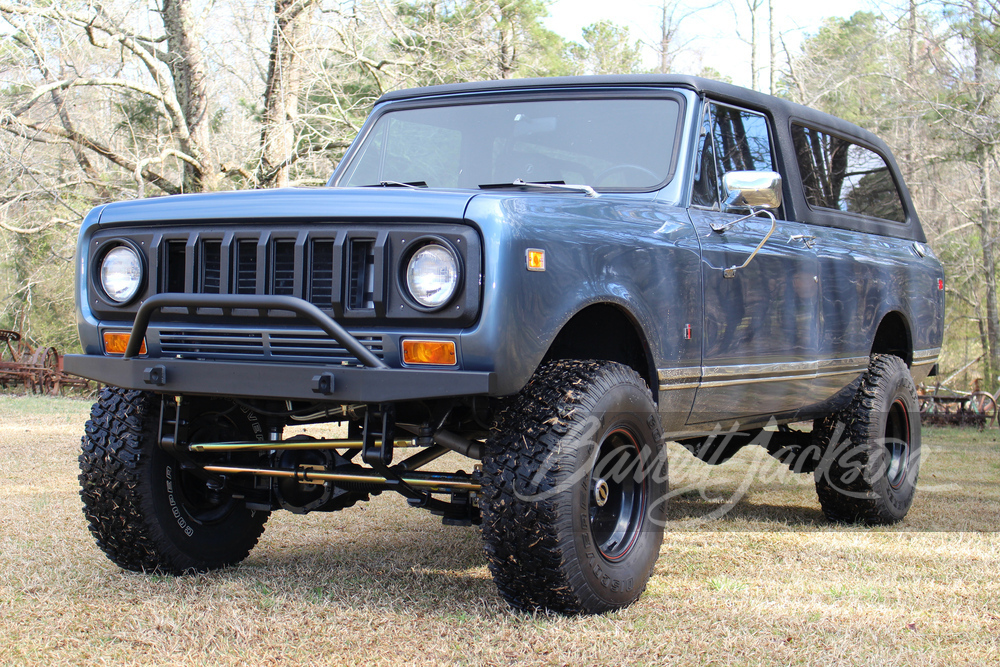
(601, 492)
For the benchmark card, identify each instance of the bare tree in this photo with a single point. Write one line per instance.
(670, 44)
(281, 95)
(172, 79)
(772, 62)
(752, 7)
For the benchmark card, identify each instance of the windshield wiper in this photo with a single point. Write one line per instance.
(415, 185)
(547, 185)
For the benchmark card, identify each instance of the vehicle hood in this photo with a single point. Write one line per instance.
(287, 204)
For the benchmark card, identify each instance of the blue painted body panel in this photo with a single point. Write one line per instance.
(635, 254)
(300, 204)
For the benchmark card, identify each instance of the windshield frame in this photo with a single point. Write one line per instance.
(534, 95)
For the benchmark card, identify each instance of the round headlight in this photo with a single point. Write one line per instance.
(121, 274)
(432, 275)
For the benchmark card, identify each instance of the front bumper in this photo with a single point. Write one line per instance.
(280, 381)
(373, 383)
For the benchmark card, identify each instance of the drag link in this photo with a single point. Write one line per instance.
(435, 482)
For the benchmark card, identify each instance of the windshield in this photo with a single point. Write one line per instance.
(624, 143)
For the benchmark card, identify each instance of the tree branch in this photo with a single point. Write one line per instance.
(11, 123)
(71, 83)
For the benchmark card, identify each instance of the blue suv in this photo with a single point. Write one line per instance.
(549, 277)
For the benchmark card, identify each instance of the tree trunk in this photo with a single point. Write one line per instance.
(987, 239)
(664, 42)
(772, 42)
(187, 64)
(281, 95)
(987, 233)
(912, 51)
(752, 6)
(507, 40)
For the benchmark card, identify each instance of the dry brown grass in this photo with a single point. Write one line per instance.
(771, 583)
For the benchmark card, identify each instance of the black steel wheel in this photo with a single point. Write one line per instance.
(871, 460)
(574, 490)
(617, 503)
(145, 511)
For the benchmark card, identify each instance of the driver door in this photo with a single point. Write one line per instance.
(761, 325)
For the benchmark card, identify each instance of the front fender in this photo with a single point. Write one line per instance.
(628, 252)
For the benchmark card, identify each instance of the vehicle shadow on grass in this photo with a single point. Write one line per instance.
(698, 513)
(430, 565)
(427, 568)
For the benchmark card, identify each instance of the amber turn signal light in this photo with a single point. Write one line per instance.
(438, 352)
(535, 259)
(115, 342)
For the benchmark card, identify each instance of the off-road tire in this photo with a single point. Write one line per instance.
(544, 533)
(138, 501)
(868, 473)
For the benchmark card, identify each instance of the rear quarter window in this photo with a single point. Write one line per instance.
(843, 176)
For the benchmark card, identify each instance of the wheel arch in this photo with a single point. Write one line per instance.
(894, 336)
(608, 332)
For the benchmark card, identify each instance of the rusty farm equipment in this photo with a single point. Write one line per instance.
(38, 370)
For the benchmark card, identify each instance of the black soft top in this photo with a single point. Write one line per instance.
(783, 113)
(715, 89)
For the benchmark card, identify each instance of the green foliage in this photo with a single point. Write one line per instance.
(140, 117)
(37, 289)
(712, 73)
(217, 124)
(849, 61)
(608, 49)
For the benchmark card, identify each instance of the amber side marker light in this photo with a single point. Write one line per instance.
(535, 259)
(438, 352)
(115, 342)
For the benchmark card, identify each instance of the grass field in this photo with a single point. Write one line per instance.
(770, 582)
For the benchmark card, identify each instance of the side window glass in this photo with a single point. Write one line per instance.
(742, 142)
(706, 180)
(843, 176)
(732, 140)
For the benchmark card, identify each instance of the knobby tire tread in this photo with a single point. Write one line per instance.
(114, 456)
(525, 540)
(863, 504)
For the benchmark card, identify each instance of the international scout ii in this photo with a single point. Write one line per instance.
(551, 278)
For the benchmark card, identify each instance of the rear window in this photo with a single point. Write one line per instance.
(843, 176)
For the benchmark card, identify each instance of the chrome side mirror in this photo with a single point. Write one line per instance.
(754, 190)
(759, 192)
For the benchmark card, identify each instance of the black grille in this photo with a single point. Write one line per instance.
(185, 344)
(334, 270)
(306, 346)
(283, 272)
(173, 274)
(246, 267)
(211, 267)
(361, 274)
(319, 347)
(321, 275)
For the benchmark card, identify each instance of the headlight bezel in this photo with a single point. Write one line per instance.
(421, 244)
(98, 271)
